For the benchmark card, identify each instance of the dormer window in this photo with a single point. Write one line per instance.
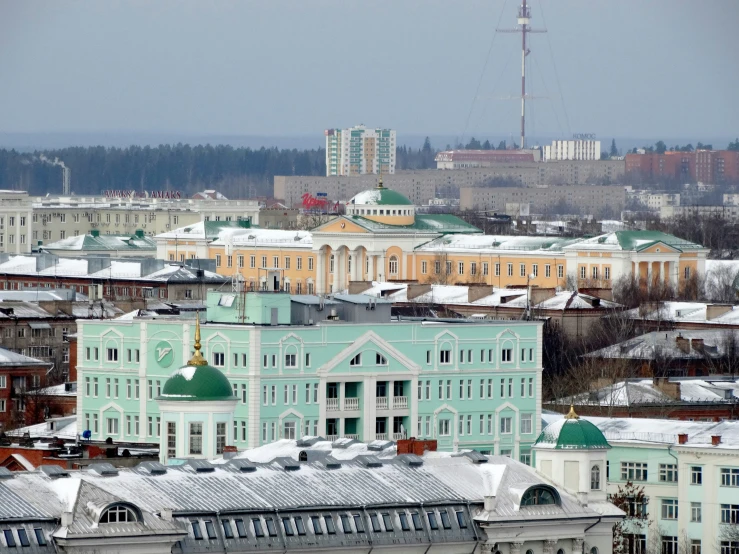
(539, 496)
(119, 514)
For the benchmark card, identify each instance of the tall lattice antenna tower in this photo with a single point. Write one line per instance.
(523, 27)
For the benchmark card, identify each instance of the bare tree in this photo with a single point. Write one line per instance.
(720, 284)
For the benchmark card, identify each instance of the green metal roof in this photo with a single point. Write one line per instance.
(639, 240)
(197, 383)
(96, 242)
(572, 434)
(427, 223)
(380, 196)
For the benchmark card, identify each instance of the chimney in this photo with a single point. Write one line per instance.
(697, 344)
(413, 446)
(682, 438)
(683, 344)
(358, 287)
(671, 389)
(67, 519)
(715, 310)
(715, 440)
(475, 292)
(603, 294)
(539, 295)
(417, 289)
(166, 514)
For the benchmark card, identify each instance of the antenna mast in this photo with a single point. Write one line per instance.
(523, 27)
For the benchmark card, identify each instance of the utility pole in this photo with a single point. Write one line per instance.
(523, 27)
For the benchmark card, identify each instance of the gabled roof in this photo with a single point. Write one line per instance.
(114, 243)
(9, 358)
(634, 241)
(424, 223)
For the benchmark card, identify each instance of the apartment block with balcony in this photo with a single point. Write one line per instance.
(465, 384)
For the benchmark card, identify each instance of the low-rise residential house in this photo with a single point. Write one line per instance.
(713, 398)
(20, 379)
(576, 313)
(137, 245)
(112, 279)
(675, 353)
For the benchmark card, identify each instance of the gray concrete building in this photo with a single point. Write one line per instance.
(590, 199)
(420, 186)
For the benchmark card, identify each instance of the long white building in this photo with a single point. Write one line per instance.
(572, 150)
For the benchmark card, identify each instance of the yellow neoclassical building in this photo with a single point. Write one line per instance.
(381, 237)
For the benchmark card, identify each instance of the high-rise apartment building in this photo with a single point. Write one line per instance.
(359, 150)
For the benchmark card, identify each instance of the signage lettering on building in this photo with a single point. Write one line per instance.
(583, 136)
(163, 194)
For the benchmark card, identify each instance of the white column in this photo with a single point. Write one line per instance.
(367, 401)
(674, 274)
(649, 274)
(665, 274)
(320, 272)
(381, 269)
(322, 406)
(342, 394)
(371, 274)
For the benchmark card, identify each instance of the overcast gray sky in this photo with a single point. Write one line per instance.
(633, 68)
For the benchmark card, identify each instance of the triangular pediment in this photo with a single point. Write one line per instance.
(658, 247)
(362, 357)
(340, 224)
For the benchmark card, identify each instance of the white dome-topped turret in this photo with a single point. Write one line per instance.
(382, 205)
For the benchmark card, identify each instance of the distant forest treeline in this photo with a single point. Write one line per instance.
(236, 172)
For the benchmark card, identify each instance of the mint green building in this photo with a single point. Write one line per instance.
(467, 384)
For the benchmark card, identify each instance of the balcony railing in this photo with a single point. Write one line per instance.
(381, 402)
(332, 438)
(400, 403)
(332, 404)
(354, 436)
(351, 403)
(398, 436)
(381, 436)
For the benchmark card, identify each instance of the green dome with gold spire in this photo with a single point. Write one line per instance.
(572, 433)
(197, 381)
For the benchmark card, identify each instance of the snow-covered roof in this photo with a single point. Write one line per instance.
(664, 431)
(143, 270)
(500, 297)
(636, 392)
(8, 358)
(686, 312)
(495, 243)
(681, 344)
(62, 427)
(265, 237)
(108, 243)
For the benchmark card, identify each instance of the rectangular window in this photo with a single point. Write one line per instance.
(531, 387)
(506, 427)
(695, 512)
(510, 270)
(547, 270)
(668, 473)
(522, 270)
(535, 270)
(196, 438)
(696, 475)
(633, 471)
(445, 356)
(444, 428)
(669, 545)
(506, 355)
(729, 477)
(669, 508)
(560, 271)
(695, 546)
(730, 513)
(256, 524)
(273, 394)
(112, 354)
(526, 424)
(423, 267)
(607, 273)
(219, 359)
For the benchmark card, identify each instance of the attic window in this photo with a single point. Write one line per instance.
(118, 514)
(380, 359)
(356, 360)
(539, 496)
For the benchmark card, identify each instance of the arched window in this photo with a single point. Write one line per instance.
(303, 456)
(119, 514)
(529, 551)
(594, 550)
(393, 265)
(540, 495)
(595, 478)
